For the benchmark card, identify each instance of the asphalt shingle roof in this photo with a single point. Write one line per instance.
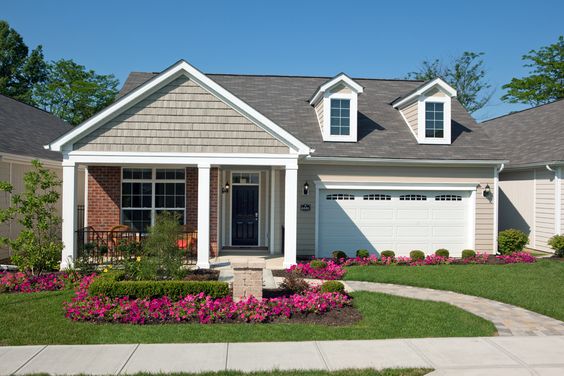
(382, 132)
(535, 135)
(24, 129)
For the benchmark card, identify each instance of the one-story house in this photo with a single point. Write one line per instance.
(24, 130)
(530, 185)
(289, 164)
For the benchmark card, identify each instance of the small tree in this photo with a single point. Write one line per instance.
(38, 246)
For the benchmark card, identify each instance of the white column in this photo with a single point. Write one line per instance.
(69, 215)
(290, 215)
(203, 216)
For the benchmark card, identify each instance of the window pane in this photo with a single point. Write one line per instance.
(335, 130)
(126, 173)
(345, 103)
(159, 201)
(126, 201)
(345, 131)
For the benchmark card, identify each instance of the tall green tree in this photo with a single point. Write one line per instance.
(20, 70)
(545, 82)
(465, 73)
(73, 93)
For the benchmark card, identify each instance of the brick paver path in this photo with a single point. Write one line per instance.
(508, 319)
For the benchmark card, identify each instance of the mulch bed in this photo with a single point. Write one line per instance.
(280, 273)
(203, 275)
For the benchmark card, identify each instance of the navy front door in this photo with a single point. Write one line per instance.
(245, 215)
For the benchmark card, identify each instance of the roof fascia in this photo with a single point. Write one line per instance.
(404, 162)
(449, 90)
(340, 78)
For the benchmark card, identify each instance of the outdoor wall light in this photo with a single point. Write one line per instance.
(487, 192)
(225, 189)
(306, 188)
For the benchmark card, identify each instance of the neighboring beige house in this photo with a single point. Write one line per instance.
(23, 132)
(286, 164)
(530, 185)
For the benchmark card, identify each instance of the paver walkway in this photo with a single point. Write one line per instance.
(448, 356)
(508, 319)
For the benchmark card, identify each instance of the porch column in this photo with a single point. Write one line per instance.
(290, 215)
(203, 216)
(69, 215)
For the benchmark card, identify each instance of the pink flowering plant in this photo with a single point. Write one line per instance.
(26, 283)
(331, 271)
(197, 308)
(516, 258)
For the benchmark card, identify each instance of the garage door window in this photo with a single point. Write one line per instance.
(413, 198)
(340, 196)
(448, 198)
(377, 197)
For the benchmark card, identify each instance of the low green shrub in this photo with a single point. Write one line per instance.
(332, 286)
(417, 255)
(111, 285)
(362, 253)
(318, 264)
(511, 240)
(467, 253)
(338, 255)
(388, 253)
(557, 243)
(442, 252)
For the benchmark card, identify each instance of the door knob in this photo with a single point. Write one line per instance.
(256, 215)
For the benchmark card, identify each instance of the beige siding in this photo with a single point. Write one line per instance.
(14, 174)
(545, 185)
(411, 116)
(319, 112)
(312, 173)
(341, 89)
(181, 117)
(435, 93)
(517, 203)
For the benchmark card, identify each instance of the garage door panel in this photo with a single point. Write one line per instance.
(400, 225)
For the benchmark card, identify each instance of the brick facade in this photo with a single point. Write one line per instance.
(104, 197)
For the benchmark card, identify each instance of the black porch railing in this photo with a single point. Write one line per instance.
(109, 247)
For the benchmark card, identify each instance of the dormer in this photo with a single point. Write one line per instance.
(427, 110)
(336, 105)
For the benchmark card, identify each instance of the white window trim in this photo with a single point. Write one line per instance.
(446, 140)
(153, 181)
(326, 128)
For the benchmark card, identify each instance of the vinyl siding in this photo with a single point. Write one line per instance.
(411, 115)
(319, 113)
(312, 173)
(517, 203)
(181, 117)
(545, 184)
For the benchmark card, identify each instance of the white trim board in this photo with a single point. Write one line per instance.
(449, 90)
(176, 70)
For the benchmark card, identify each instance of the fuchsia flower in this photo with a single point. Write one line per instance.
(332, 271)
(26, 283)
(516, 257)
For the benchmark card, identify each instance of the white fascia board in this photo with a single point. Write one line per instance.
(533, 165)
(174, 159)
(182, 67)
(449, 90)
(340, 78)
(395, 162)
(470, 186)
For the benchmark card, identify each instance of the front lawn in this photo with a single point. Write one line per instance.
(38, 318)
(538, 286)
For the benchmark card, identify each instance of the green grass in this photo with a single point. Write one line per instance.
(38, 318)
(538, 287)
(347, 372)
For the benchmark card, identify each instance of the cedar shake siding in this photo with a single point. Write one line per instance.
(181, 117)
(104, 197)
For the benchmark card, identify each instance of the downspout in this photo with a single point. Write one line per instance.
(497, 170)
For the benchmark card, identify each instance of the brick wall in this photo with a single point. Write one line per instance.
(192, 203)
(104, 197)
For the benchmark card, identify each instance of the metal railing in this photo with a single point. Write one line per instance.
(107, 247)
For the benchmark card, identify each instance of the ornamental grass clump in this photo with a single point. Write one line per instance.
(198, 308)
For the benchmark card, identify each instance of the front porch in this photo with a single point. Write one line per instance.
(227, 208)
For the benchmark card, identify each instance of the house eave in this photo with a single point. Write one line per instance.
(400, 162)
(424, 88)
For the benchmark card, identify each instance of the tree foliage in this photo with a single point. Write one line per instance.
(20, 70)
(465, 73)
(545, 82)
(73, 93)
(38, 246)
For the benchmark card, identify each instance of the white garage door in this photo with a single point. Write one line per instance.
(396, 220)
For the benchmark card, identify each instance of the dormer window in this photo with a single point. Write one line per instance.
(426, 111)
(340, 117)
(434, 120)
(336, 106)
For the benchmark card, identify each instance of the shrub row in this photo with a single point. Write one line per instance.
(111, 286)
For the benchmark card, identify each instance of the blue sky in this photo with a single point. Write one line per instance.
(361, 38)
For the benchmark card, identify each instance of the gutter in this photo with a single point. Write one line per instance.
(406, 162)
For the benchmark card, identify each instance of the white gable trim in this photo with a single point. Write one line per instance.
(447, 89)
(176, 70)
(340, 78)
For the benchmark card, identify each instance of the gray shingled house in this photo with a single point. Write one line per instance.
(24, 130)
(531, 183)
(286, 164)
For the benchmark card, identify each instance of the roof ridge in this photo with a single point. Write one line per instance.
(523, 110)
